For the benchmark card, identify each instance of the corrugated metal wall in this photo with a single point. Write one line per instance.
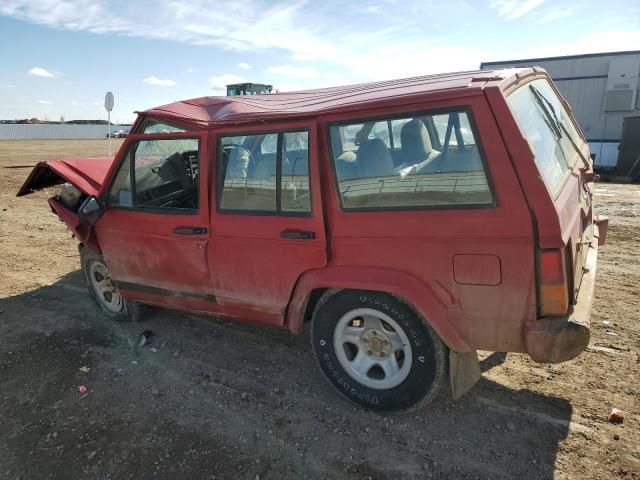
(45, 131)
(582, 80)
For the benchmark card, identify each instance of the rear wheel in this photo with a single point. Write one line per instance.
(103, 289)
(376, 351)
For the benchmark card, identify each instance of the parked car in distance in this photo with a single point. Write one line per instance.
(412, 222)
(119, 134)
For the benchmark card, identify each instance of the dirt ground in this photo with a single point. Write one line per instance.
(213, 399)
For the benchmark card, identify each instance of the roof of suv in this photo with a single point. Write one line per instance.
(305, 103)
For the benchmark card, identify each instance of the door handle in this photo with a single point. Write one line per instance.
(298, 234)
(189, 230)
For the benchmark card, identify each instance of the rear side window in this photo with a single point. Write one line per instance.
(548, 129)
(265, 173)
(419, 161)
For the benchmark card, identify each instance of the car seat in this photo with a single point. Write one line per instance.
(374, 160)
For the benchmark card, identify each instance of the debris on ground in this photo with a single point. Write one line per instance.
(82, 388)
(616, 416)
(597, 348)
(145, 338)
(84, 369)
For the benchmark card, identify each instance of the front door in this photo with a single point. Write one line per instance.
(154, 233)
(267, 225)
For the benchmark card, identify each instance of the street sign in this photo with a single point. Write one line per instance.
(108, 105)
(108, 101)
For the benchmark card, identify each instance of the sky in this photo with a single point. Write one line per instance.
(59, 57)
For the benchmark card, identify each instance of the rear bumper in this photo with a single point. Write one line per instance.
(558, 339)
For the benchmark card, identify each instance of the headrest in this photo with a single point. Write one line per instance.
(374, 159)
(238, 163)
(415, 141)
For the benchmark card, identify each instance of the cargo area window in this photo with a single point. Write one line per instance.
(418, 161)
(548, 129)
(265, 173)
(158, 174)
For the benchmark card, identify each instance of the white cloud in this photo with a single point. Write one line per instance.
(244, 66)
(220, 82)
(8, 85)
(160, 82)
(192, 70)
(314, 37)
(40, 72)
(44, 102)
(553, 14)
(512, 9)
(293, 71)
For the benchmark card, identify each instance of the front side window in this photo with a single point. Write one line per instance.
(158, 174)
(427, 160)
(264, 173)
(548, 129)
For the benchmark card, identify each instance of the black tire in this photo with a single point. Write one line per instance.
(130, 312)
(427, 371)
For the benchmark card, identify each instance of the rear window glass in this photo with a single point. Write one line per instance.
(411, 162)
(548, 129)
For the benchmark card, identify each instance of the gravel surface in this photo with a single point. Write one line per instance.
(210, 399)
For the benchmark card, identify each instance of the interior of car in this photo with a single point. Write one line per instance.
(247, 180)
(419, 147)
(168, 183)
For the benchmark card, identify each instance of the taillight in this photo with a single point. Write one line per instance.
(553, 285)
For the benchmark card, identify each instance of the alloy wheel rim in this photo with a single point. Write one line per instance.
(104, 288)
(372, 348)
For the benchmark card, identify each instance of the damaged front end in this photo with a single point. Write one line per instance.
(80, 180)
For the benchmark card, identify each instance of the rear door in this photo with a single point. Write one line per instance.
(267, 223)
(154, 233)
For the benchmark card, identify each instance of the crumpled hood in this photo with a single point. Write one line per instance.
(86, 174)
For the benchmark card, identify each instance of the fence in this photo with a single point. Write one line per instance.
(47, 131)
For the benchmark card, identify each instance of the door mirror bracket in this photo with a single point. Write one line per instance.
(90, 211)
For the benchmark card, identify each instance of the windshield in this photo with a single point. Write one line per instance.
(548, 128)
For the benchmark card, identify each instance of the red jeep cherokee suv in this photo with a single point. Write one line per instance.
(412, 221)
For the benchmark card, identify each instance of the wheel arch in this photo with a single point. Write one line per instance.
(315, 284)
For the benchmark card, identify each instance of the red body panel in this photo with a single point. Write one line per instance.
(87, 174)
(422, 243)
(252, 267)
(145, 254)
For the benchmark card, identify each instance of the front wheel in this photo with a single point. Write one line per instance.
(376, 351)
(103, 289)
